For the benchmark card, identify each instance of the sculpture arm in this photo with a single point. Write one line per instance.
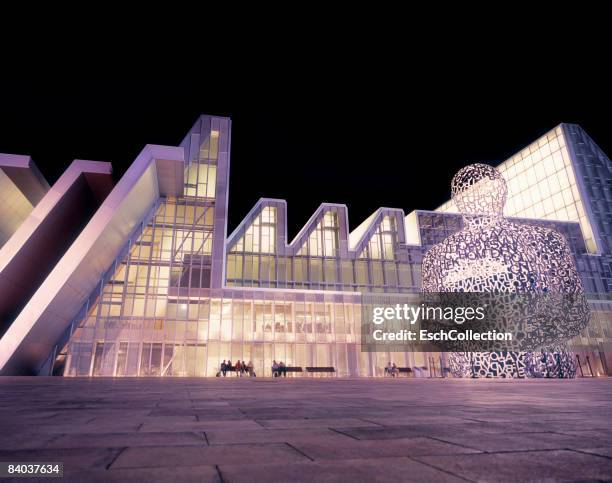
(561, 268)
(564, 311)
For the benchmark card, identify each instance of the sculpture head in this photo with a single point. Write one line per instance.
(479, 189)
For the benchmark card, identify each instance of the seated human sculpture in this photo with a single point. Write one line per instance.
(495, 255)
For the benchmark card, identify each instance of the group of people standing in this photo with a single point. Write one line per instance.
(240, 368)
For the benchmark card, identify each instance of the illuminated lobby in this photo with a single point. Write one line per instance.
(148, 282)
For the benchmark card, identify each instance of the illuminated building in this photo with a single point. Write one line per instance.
(154, 286)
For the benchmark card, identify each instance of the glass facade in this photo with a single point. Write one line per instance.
(142, 308)
(183, 296)
(542, 184)
(320, 257)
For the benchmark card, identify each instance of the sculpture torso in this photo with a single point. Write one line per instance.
(494, 255)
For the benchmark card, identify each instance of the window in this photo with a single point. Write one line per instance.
(323, 240)
(382, 242)
(260, 236)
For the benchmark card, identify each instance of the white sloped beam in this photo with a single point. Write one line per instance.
(22, 186)
(35, 331)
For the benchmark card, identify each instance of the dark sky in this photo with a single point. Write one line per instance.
(366, 141)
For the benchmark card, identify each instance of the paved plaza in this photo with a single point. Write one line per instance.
(315, 430)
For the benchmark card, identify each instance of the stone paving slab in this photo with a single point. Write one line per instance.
(162, 424)
(556, 465)
(120, 440)
(309, 429)
(322, 449)
(600, 436)
(185, 474)
(215, 437)
(50, 426)
(77, 459)
(17, 439)
(518, 441)
(316, 423)
(243, 454)
(381, 470)
(605, 451)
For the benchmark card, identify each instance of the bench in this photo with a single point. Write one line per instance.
(286, 369)
(400, 370)
(328, 370)
(233, 369)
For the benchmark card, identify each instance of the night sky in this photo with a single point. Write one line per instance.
(365, 142)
